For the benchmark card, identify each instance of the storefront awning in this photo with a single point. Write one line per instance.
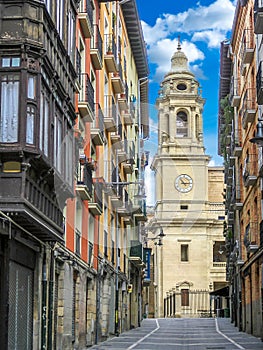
(222, 292)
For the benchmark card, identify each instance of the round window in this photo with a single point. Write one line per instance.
(181, 86)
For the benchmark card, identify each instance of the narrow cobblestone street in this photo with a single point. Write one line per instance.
(193, 334)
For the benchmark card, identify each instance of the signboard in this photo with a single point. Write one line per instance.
(147, 261)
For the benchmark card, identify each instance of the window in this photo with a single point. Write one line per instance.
(71, 31)
(48, 5)
(69, 157)
(184, 297)
(44, 122)
(181, 125)
(105, 243)
(9, 108)
(10, 62)
(30, 120)
(184, 252)
(31, 87)
(78, 228)
(58, 143)
(181, 86)
(60, 14)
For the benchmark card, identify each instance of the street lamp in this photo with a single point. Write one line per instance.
(258, 139)
(158, 237)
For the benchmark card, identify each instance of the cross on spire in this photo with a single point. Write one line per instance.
(179, 44)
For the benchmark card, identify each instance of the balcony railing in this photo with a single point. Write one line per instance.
(110, 113)
(85, 16)
(234, 95)
(117, 81)
(136, 253)
(249, 107)
(139, 209)
(86, 98)
(126, 209)
(260, 84)
(247, 47)
(250, 170)
(84, 179)
(110, 53)
(258, 17)
(97, 129)
(251, 236)
(95, 203)
(96, 48)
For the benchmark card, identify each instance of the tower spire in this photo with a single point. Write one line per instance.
(179, 44)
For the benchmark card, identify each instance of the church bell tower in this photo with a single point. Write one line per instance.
(186, 189)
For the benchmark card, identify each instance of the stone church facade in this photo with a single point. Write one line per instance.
(190, 264)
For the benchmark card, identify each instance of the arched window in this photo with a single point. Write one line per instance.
(181, 124)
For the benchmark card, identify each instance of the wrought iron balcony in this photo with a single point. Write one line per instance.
(234, 95)
(117, 82)
(97, 128)
(247, 46)
(110, 113)
(260, 84)
(251, 236)
(85, 16)
(116, 137)
(110, 53)
(136, 253)
(123, 102)
(250, 170)
(95, 203)
(84, 179)
(126, 209)
(96, 48)
(139, 209)
(249, 107)
(86, 98)
(258, 17)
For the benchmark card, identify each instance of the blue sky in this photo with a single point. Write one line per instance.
(202, 25)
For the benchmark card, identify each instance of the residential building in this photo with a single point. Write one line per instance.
(72, 201)
(37, 71)
(240, 100)
(189, 205)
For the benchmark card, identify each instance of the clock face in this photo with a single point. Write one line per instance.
(183, 183)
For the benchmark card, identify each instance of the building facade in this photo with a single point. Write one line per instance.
(74, 97)
(189, 206)
(240, 110)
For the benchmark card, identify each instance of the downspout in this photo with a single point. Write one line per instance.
(50, 300)
(44, 303)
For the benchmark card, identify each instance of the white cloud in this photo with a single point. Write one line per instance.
(161, 52)
(208, 24)
(213, 38)
(218, 16)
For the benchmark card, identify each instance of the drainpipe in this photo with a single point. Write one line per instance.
(44, 304)
(50, 299)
